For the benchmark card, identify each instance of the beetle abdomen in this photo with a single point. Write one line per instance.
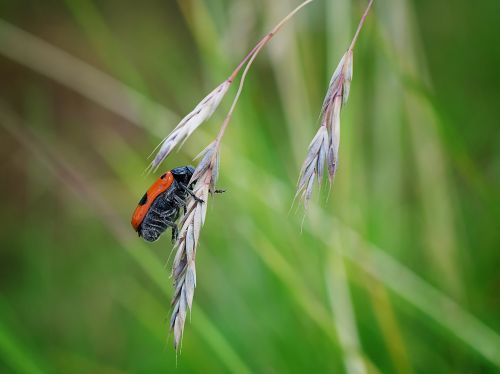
(163, 214)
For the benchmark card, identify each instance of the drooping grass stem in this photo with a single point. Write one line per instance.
(360, 26)
(205, 109)
(229, 115)
(255, 50)
(248, 59)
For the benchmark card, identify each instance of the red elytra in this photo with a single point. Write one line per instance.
(161, 185)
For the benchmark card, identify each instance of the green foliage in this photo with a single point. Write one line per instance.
(395, 267)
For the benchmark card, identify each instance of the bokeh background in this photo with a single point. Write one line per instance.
(396, 268)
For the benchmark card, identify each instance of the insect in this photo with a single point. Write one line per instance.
(160, 206)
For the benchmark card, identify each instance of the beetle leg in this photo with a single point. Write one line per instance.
(175, 229)
(173, 225)
(169, 223)
(185, 188)
(166, 214)
(163, 223)
(179, 201)
(159, 227)
(175, 234)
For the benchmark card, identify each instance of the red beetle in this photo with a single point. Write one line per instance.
(160, 206)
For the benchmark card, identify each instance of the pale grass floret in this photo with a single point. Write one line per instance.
(336, 97)
(203, 111)
(313, 165)
(324, 148)
(183, 267)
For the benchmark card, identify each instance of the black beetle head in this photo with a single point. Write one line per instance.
(183, 174)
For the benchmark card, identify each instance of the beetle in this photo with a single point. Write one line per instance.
(160, 206)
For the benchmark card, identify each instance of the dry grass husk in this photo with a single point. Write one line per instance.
(324, 148)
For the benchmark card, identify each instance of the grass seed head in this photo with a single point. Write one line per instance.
(183, 267)
(313, 165)
(324, 147)
(203, 111)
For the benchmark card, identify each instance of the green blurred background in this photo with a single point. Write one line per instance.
(395, 272)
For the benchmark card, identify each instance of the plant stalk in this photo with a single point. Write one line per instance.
(250, 57)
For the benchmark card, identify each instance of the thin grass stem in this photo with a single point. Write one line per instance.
(360, 26)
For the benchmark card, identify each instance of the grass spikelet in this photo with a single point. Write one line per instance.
(203, 111)
(314, 165)
(183, 267)
(324, 147)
